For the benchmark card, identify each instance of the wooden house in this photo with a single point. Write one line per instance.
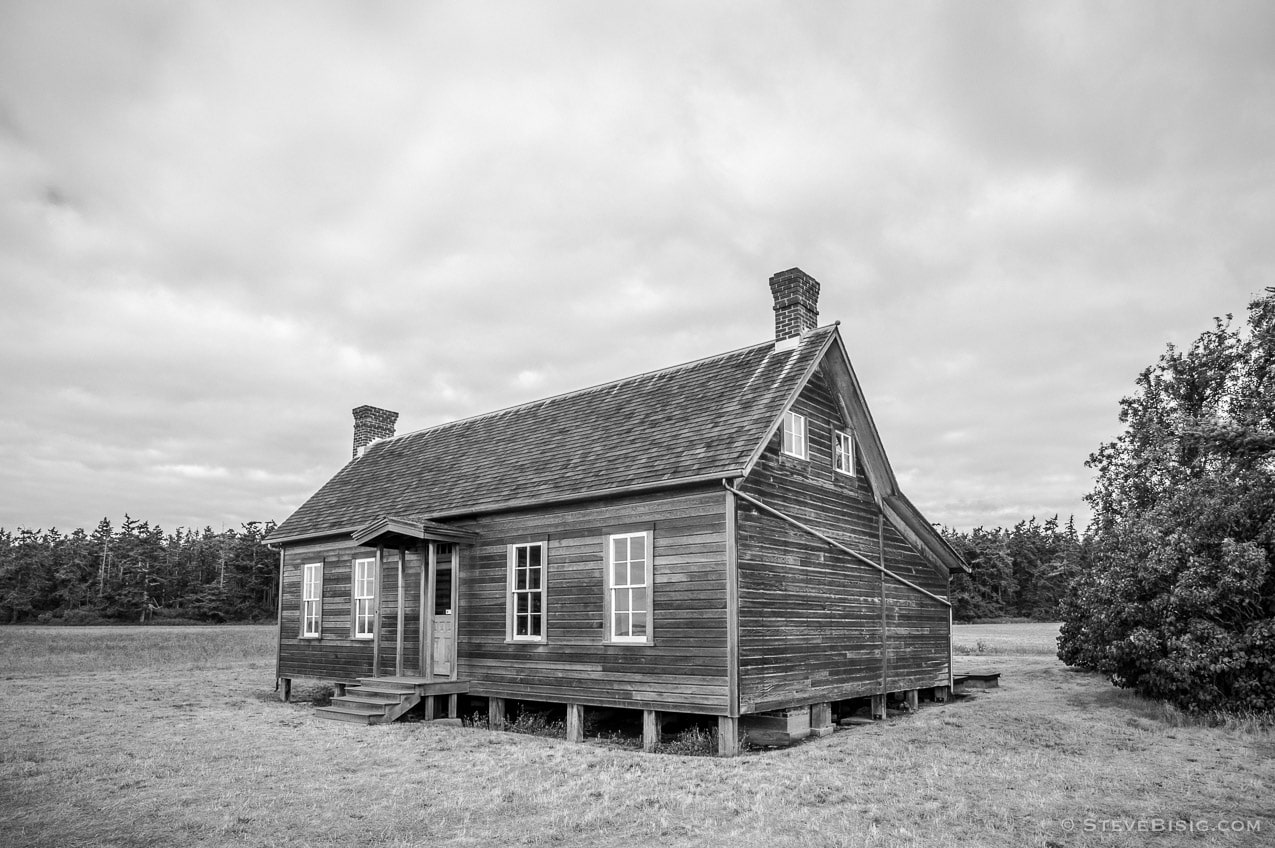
(723, 537)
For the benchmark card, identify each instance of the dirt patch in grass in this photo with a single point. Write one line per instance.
(194, 756)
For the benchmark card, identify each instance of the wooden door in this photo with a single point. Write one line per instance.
(444, 645)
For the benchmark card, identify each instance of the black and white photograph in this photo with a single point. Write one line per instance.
(583, 424)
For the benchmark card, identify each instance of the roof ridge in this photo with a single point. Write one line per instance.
(584, 390)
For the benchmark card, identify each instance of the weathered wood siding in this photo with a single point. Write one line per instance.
(334, 656)
(685, 669)
(810, 622)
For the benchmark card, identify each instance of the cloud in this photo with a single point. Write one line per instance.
(222, 226)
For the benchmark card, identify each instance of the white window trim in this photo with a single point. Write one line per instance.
(843, 453)
(314, 599)
(611, 588)
(511, 630)
(369, 582)
(796, 433)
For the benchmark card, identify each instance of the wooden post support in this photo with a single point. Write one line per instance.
(575, 722)
(913, 700)
(942, 693)
(453, 701)
(285, 690)
(878, 706)
(821, 719)
(402, 612)
(650, 730)
(727, 736)
(429, 707)
(496, 713)
(376, 620)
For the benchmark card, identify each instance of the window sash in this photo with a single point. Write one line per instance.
(527, 585)
(629, 587)
(364, 580)
(845, 453)
(795, 435)
(311, 598)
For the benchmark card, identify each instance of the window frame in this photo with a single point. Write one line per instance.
(369, 581)
(314, 599)
(843, 451)
(795, 440)
(612, 588)
(512, 592)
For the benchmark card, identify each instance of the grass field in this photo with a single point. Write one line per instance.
(154, 737)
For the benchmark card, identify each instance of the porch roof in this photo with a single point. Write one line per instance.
(395, 531)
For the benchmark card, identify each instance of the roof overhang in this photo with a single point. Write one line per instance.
(400, 532)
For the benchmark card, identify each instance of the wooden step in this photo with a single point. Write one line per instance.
(365, 705)
(342, 714)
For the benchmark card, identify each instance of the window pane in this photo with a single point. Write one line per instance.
(619, 549)
(535, 626)
(520, 556)
(533, 579)
(536, 601)
(623, 624)
(637, 548)
(533, 556)
(622, 600)
(637, 602)
(620, 576)
(520, 625)
(520, 604)
(637, 573)
(639, 625)
(520, 579)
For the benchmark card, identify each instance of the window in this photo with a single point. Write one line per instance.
(629, 587)
(311, 598)
(527, 592)
(795, 435)
(364, 598)
(844, 461)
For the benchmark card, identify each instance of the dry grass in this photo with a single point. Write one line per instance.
(1035, 638)
(195, 752)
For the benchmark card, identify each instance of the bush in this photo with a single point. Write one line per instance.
(1177, 598)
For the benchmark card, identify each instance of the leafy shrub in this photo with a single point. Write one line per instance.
(1177, 599)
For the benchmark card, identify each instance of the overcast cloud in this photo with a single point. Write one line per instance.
(223, 225)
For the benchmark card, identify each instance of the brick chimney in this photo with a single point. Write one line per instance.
(796, 303)
(372, 423)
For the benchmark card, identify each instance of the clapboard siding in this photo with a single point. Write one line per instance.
(686, 667)
(334, 656)
(810, 620)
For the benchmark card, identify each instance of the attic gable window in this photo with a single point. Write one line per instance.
(844, 449)
(795, 435)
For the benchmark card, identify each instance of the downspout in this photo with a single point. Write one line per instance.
(278, 643)
(834, 543)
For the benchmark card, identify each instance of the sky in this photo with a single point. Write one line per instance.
(223, 225)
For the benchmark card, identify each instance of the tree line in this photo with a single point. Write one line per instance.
(1017, 573)
(137, 573)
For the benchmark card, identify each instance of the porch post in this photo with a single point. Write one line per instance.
(426, 636)
(376, 613)
(402, 608)
(427, 608)
(455, 607)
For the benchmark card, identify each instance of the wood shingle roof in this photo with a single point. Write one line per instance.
(697, 421)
